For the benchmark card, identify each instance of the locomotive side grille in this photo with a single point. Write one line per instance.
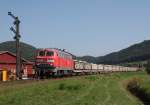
(41, 60)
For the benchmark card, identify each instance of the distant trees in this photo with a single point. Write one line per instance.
(27, 51)
(148, 67)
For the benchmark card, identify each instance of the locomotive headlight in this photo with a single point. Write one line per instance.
(50, 60)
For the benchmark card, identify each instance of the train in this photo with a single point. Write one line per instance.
(56, 62)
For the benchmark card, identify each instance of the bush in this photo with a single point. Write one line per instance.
(148, 67)
(133, 84)
(134, 87)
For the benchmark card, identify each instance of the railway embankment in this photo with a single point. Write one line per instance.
(78, 90)
(140, 87)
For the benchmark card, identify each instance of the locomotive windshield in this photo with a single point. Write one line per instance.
(42, 53)
(49, 53)
(46, 53)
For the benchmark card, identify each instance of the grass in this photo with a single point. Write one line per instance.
(146, 84)
(84, 90)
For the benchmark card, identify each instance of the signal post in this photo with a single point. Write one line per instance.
(17, 38)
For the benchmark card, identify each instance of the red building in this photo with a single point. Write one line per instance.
(8, 63)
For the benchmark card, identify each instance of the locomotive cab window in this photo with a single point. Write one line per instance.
(50, 53)
(42, 53)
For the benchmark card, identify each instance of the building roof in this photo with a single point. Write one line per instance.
(2, 52)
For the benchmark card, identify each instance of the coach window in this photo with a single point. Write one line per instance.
(64, 55)
(57, 54)
(49, 53)
(60, 55)
(69, 57)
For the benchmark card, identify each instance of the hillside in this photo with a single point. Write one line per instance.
(135, 53)
(87, 58)
(27, 51)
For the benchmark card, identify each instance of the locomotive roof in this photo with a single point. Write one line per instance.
(57, 49)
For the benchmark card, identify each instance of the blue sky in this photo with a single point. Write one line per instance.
(82, 27)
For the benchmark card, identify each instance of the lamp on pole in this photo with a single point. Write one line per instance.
(17, 38)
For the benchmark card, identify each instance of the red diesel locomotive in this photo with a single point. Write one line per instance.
(53, 61)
